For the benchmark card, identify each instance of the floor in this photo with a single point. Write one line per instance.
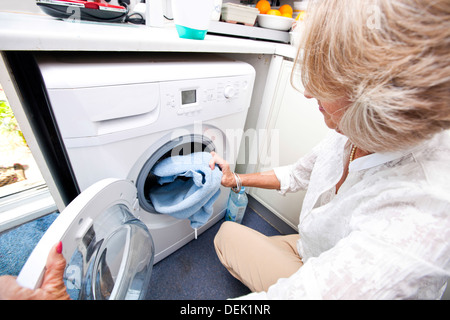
(191, 273)
(194, 272)
(17, 244)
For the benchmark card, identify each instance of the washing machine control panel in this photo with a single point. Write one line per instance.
(213, 97)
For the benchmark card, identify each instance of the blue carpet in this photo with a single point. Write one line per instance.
(17, 244)
(193, 272)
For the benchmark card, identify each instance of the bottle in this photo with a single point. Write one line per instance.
(237, 203)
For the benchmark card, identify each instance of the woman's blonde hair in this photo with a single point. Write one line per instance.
(389, 58)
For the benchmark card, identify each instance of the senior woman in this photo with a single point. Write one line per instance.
(375, 219)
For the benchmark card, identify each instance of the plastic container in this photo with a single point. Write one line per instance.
(217, 10)
(154, 13)
(192, 18)
(237, 203)
(235, 13)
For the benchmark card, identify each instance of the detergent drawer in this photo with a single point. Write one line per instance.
(88, 112)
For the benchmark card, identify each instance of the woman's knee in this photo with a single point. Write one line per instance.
(223, 236)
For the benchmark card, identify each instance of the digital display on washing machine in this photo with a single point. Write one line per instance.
(188, 97)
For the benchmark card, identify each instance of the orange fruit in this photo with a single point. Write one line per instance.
(274, 12)
(286, 9)
(263, 6)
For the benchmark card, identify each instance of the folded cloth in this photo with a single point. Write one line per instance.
(188, 187)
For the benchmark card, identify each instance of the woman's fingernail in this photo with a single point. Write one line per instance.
(59, 247)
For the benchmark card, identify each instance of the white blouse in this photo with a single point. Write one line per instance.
(384, 235)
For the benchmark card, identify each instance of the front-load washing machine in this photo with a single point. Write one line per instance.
(118, 116)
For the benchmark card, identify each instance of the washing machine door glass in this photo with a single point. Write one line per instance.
(109, 252)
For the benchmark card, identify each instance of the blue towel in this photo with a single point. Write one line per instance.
(188, 187)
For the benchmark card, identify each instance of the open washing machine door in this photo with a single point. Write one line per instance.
(109, 252)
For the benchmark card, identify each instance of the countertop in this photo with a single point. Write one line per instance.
(35, 32)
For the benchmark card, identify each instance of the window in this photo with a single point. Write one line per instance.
(23, 193)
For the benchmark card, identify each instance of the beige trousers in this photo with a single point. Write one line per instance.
(256, 260)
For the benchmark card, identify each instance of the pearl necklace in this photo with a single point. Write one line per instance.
(352, 154)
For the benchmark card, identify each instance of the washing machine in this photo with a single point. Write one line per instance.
(118, 116)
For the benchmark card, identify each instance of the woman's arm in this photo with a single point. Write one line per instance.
(267, 180)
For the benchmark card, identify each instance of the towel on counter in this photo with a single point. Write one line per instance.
(188, 187)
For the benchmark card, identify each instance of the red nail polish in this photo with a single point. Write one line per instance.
(59, 247)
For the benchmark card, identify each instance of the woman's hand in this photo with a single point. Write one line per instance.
(52, 287)
(228, 179)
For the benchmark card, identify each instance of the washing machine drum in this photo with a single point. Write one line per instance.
(180, 146)
(109, 252)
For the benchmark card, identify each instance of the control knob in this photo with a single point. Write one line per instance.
(229, 92)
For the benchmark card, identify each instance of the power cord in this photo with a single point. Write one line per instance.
(139, 19)
(135, 17)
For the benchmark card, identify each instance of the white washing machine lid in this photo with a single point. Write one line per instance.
(109, 252)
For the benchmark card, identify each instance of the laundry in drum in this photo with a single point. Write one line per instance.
(187, 187)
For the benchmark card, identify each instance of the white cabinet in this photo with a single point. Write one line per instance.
(294, 126)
